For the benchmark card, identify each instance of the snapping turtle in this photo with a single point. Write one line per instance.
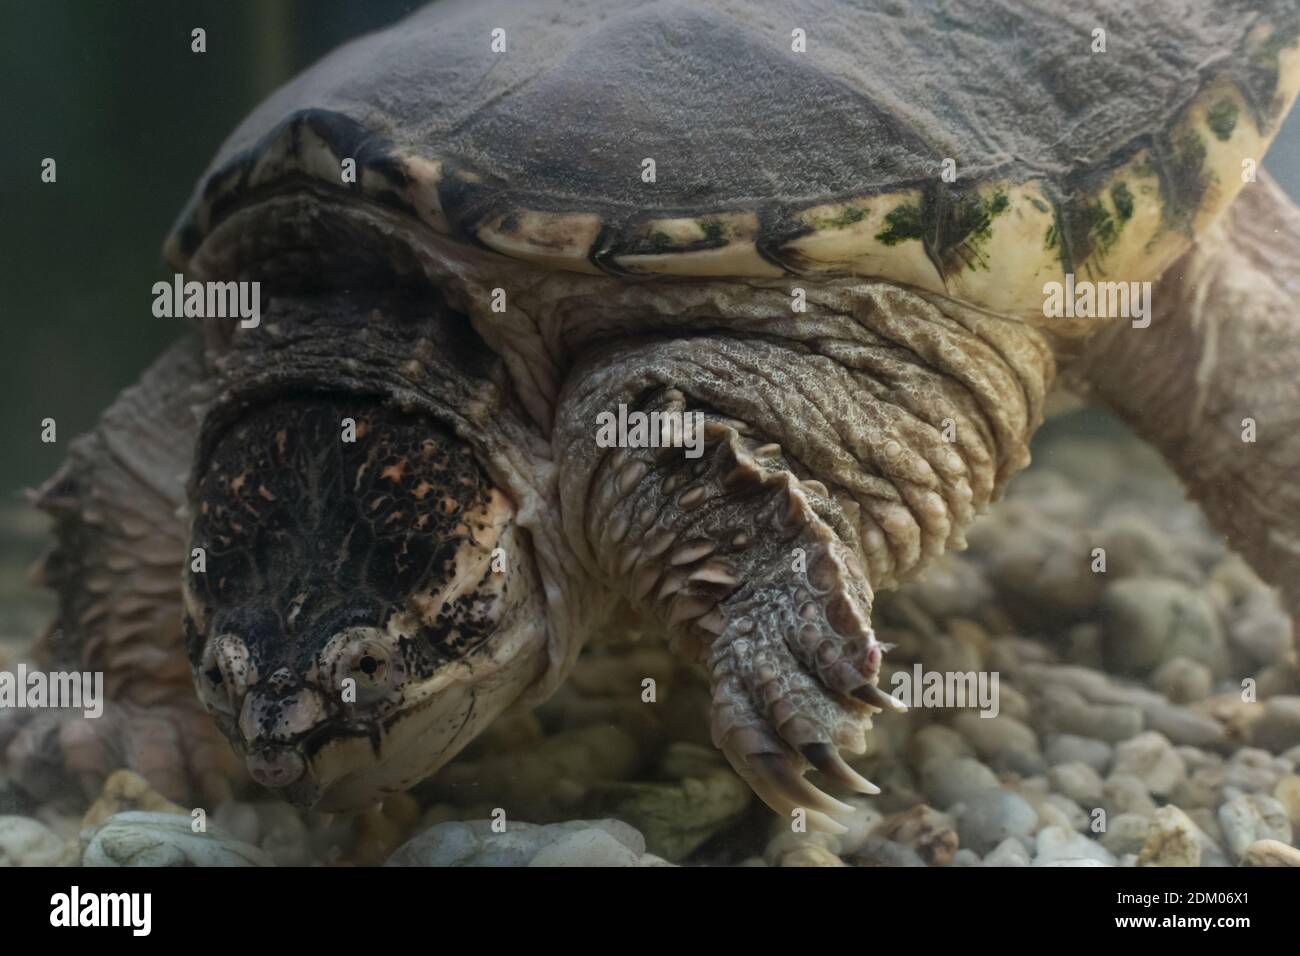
(723, 314)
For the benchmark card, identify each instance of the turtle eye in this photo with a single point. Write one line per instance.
(361, 660)
(370, 665)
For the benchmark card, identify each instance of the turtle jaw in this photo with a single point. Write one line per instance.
(352, 771)
(321, 752)
(330, 735)
(348, 761)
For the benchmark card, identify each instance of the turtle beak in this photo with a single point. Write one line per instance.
(272, 721)
(276, 767)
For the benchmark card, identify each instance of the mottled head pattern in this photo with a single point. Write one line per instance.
(353, 555)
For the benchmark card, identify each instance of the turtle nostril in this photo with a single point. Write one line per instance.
(275, 768)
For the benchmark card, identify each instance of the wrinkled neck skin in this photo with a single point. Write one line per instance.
(994, 371)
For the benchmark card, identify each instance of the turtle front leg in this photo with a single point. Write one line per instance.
(1214, 381)
(742, 561)
(817, 472)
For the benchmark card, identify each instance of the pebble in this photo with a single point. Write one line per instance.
(699, 796)
(1135, 547)
(1172, 839)
(1250, 817)
(1104, 722)
(1270, 853)
(811, 854)
(937, 742)
(1278, 727)
(1260, 628)
(124, 790)
(1276, 680)
(986, 818)
(1148, 620)
(1202, 788)
(1012, 703)
(1253, 770)
(1019, 763)
(1068, 813)
(572, 843)
(931, 834)
(1152, 759)
(1085, 645)
(784, 841)
(995, 736)
(1071, 748)
(585, 848)
(1056, 844)
(945, 783)
(878, 851)
(1184, 726)
(1287, 793)
(952, 587)
(1125, 793)
(28, 842)
(1183, 680)
(1125, 833)
(1078, 781)
(1050, 815)
(285, 836)
(148, 838)
(1010, 852)
(861, 822)
(1075, 861)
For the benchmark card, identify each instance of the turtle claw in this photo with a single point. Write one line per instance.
(873, 696)
(829, 762)
(774, 720)
(784, 789)
(789, 781)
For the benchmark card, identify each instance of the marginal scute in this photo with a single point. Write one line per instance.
(556, 240)
(830, 239)
(720, 243)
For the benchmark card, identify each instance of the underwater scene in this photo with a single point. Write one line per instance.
(626, 433)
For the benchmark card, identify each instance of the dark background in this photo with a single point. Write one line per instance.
(113, 93)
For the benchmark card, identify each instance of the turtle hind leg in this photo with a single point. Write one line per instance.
(116, 568)
(1214, 381)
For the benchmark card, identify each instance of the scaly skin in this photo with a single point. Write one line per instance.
(826, 473)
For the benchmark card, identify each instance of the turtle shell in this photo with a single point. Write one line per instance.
(977, 149)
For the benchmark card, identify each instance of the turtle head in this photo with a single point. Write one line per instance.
(360, 602)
